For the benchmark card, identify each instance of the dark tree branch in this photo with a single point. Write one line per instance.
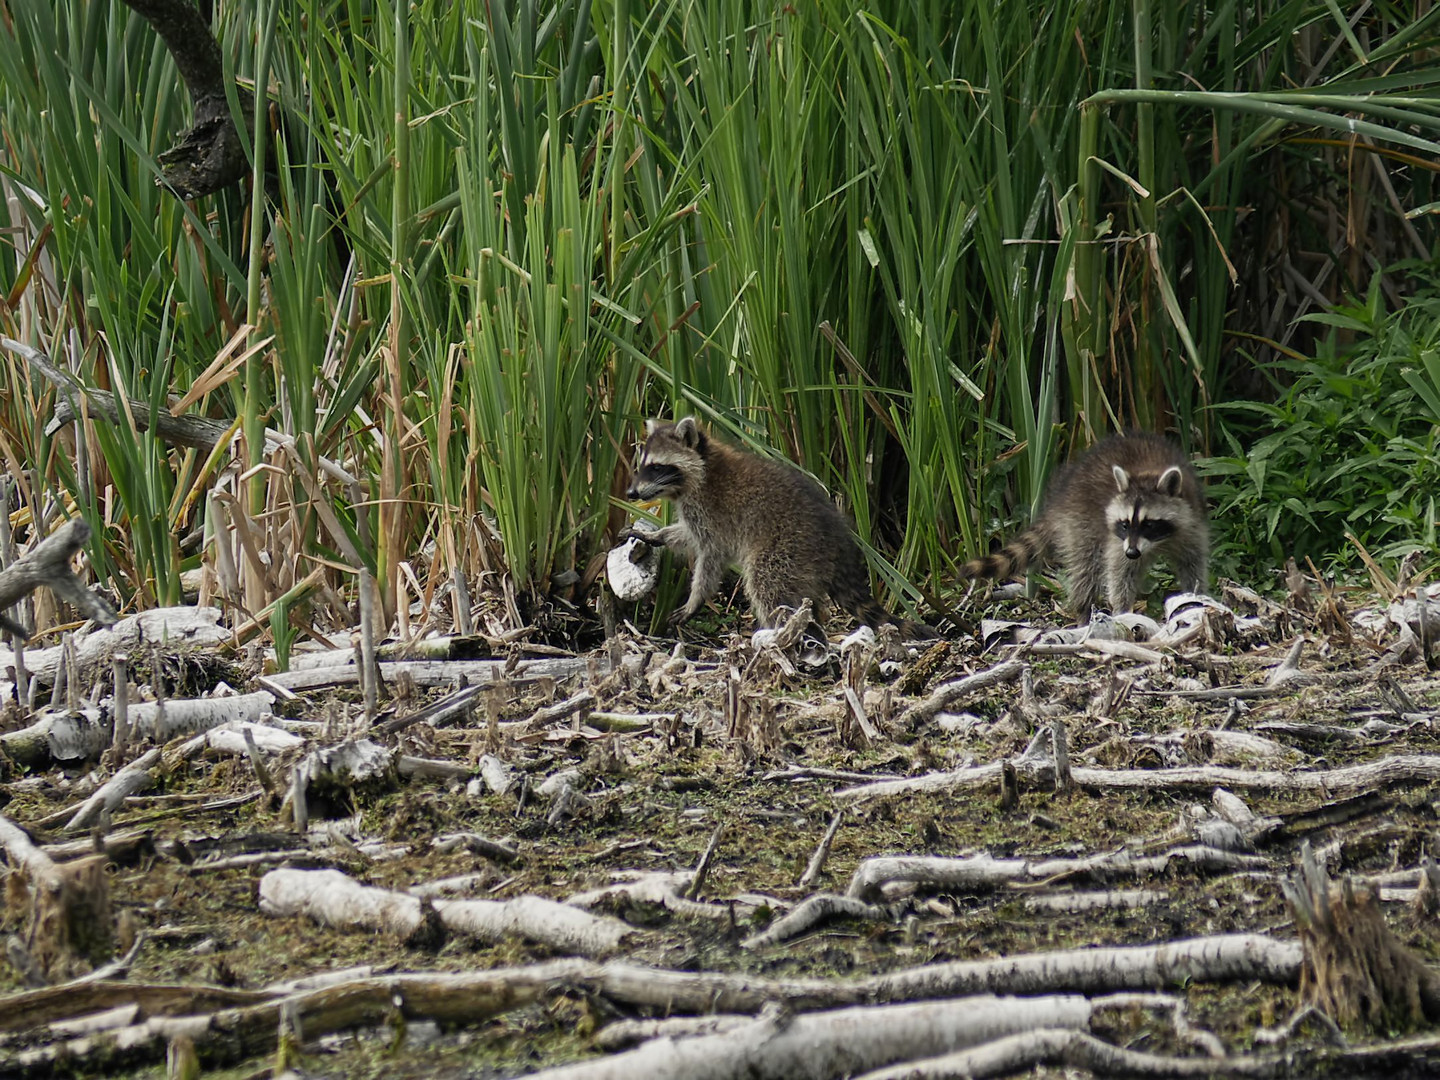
(211, 155)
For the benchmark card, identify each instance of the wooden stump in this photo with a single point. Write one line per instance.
(72, 929)
(1355, 970)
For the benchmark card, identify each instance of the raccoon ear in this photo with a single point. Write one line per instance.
(1170, 481)
(650, 426)
(688, 431)
(1122, 478)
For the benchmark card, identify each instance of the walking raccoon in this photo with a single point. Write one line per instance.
(769, 519)
(1107, 516)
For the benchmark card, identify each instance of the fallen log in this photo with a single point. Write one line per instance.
(842, 1042)
(172, 628)
(1349, 780)
(985, 872)
(332, 898)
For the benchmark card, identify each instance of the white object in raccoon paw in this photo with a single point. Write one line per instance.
(632, 568)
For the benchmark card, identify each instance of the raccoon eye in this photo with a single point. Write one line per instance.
(1156, 530)
(661, 475)
(1122, 528)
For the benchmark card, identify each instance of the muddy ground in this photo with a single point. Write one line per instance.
(733, 723)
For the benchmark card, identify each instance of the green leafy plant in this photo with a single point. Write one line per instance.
(1351, 446)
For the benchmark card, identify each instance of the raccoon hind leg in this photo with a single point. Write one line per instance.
(705, 578)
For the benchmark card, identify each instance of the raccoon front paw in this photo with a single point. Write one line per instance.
(650, 537)
(678, 618)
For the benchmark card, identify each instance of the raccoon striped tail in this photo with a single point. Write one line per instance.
(874, 614)
(1011, 560)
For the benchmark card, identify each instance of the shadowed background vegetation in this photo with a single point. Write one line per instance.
(925, 250)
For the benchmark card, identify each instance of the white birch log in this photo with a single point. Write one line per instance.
(561, 927)
(625, 1033)
(178, 627)
(188, 716)
(986, 872)
(1221, 958)
(334, 899)
(230, 738)
(1349, 780)
(806, 914)
(1015, 1054)
(20, 851)
(837, 1043)
(58, 736)
(440, 672)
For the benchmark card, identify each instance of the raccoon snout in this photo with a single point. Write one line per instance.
(633, 491)
(1132, 552)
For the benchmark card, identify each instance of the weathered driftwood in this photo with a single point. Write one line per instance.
(873, 875)
(176, 628)
(667, 889)
(549, 714)
(332, 898)
(1349, 780)
(1015, 1054)
(808, 913)
(232, 1032)
(950, 694)
(480, 845)
(626, 1033)
(48, 563)
(409, 766)
(559, 926)
(816, 864)
(58, 736)
(229, 1024)
(837, 1043)
(107, 799)
(184, 716)
(238, 736)
(452, 707)
(438, 672)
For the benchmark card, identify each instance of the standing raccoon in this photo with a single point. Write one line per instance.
(1107, 516)
(769, 519)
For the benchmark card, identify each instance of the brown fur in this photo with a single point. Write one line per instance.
(1107, 516)
(768, 518)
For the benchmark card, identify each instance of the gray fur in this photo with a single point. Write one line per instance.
(1107, 517)
(769, 519)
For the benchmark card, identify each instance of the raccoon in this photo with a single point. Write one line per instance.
(767, 518)
(1107, 516)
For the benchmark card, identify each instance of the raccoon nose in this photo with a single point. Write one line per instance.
(1132, 552)
(633, 491)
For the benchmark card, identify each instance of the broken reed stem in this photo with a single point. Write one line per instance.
(120, 704)
(702, 868)
(257, 763)
(369, 675)
(72, 664)
(11, 626)
(1060, 743)
(62, 678)
(460, 593)
(299, 810)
